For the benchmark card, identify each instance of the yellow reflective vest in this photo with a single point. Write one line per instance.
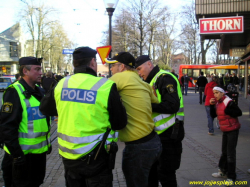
(83, 118)
(164, 121)
(34, 136)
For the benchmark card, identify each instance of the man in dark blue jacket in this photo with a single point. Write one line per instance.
(201, 82)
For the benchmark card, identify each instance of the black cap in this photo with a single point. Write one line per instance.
(141, 60)
(123, 57)
(30, 61)
(84, 52)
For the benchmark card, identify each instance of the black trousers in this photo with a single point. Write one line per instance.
(32, 174)
(227, 162)
(86, 172)
(165, 169)
(201, 89)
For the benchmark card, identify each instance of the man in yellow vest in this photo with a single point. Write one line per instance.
(24, 128)
(143, 146)
(87, 106)
(168, 116)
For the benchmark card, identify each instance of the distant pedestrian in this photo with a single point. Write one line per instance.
(182, 83)
(48, 82)
(226, 80)
(67, 74)
(186, 81)
(241, 85)
(18, 77)
(201, 82)
(227, 112)
(209, 78)
(209, 94)
(221, 81)
(173, 72)
(235, 79)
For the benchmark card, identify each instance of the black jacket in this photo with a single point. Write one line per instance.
(10, 120)
(232, 110)
(201, 81)
(170, 101)
(235, 80)
(47, 83)
(117, 112)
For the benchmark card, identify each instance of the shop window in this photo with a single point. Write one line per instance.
(13, 49)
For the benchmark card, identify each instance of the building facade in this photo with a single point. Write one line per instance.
(12, 43)
(229, 22)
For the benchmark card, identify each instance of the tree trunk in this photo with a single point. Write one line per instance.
(203, 56)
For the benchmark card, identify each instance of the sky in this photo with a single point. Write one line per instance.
(83, 20)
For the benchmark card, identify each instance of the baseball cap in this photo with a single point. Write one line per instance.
(122, 57)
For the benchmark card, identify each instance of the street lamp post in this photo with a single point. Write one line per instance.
(110, 8)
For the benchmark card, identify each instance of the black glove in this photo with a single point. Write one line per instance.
(19, 168)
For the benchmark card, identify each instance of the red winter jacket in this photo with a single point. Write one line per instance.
(209, 92)
(227, 123)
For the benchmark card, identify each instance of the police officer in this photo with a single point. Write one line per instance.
(25, 130)
(168, 116)
(87, 106)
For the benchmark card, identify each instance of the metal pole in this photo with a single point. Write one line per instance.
(110, 13)
(110, 38)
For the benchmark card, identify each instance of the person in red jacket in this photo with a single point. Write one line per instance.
(209, 94)
(227, 113)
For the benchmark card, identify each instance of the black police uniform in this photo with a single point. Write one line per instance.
(32, 166)
(171, 149)
(86, 171)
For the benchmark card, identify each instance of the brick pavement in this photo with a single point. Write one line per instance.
(200, 151)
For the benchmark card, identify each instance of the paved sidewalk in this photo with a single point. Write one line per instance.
(200, 156)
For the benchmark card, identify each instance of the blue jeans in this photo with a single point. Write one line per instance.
(227, 162)
(210, 120)
(186, 88)
(138, 159)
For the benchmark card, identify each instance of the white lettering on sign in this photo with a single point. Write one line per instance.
(221, 25)
(78, 95)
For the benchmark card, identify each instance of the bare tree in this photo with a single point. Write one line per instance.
(37, 20)
(190, 37)
(47, 34)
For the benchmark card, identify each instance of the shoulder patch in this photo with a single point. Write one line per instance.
(170, 88)
(7, 107)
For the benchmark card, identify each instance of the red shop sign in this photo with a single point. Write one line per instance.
(221, 25)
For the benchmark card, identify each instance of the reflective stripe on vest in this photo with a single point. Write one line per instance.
(74, 147)
(95, 139)
(29, 140)
(164, 121)
(166, 125)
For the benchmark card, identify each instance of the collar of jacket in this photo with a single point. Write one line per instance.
(28, 88)
(85, 69)
(222, 99)
(151, 75)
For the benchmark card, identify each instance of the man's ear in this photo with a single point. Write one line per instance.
(123, 67)
(25, 71)
(92, 63)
